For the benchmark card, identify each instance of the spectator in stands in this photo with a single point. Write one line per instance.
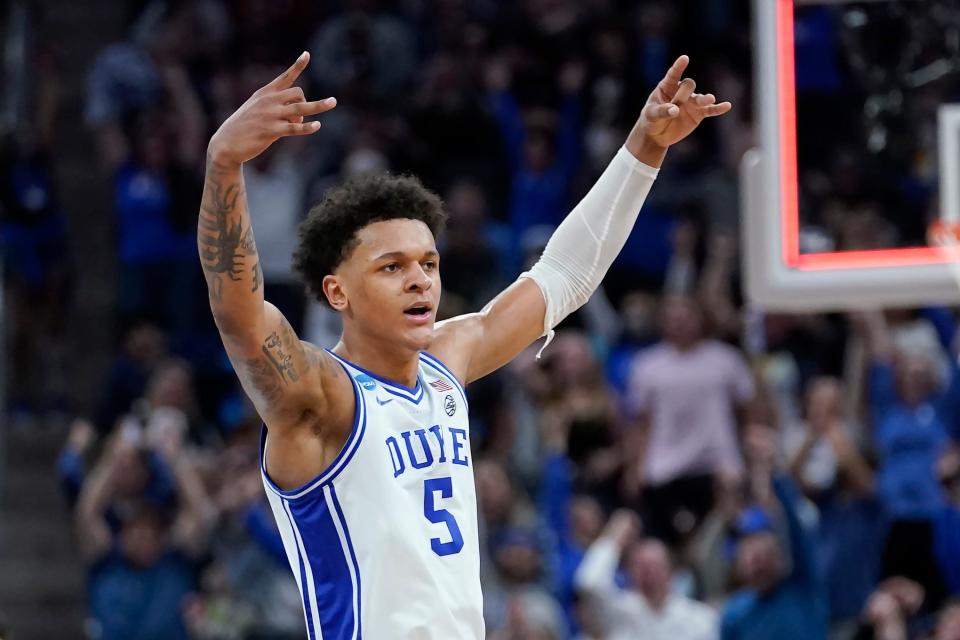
(828, 465)
(648, 609)
(911, 412)
(518, 556)
(142, 570)
(364, 56)
(143, 347)
(171, 385)
(532, 616)
(35, 253)
(476, 267)
(891, 611)
(947, 526)
(580, 408)
(574, 520)
(687, 394)
(154, 184)
(543, 147)
(948, 625)
(782, 596)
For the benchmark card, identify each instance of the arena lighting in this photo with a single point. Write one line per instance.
(777, 275)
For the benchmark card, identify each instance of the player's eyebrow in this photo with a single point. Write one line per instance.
(398, 255)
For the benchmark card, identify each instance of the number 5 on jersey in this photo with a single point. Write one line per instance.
(441, 516)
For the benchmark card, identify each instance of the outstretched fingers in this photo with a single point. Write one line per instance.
(675, 72)
(671, 81)
(286, 79)
(716, 109)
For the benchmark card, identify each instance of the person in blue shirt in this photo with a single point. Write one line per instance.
(913, 414)
(140, 574)
(574, 521)
(783, 597)
(543, 152)
(853, 523)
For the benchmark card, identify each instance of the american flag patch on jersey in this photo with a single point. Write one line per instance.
(441, 385)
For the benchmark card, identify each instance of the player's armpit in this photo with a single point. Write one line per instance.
(476, 344)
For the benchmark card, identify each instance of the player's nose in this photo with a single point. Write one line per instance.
(419, 280)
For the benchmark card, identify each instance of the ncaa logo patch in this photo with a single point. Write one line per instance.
(366, 381)
(449, 405)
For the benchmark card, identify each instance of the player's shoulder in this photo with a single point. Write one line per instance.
(454, 340)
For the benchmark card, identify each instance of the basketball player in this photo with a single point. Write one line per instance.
(366, 446)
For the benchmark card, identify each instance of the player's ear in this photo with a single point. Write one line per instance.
(336, 295)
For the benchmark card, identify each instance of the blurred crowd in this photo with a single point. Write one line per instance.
(677, 465)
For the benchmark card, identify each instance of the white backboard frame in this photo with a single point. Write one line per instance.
(777, 276)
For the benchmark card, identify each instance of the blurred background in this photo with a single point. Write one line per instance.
(679, 465)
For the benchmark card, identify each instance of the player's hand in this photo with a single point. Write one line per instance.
(274, 111)
(674, 110)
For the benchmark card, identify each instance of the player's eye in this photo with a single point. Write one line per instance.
(393, 267)
(430, 265)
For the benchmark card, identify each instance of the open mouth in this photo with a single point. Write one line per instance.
(418, 312)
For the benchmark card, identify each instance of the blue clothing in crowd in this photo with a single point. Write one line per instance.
(946, 547)
(794, 609)
(816, 46)
(33, 230)
(851, 537)
(539, 197)
(909, 441)
(554, 503)
(143, 604)
(146, 234)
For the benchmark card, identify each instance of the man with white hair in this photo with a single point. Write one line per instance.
(648, 609)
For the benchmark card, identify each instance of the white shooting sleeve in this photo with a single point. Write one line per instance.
(586, 243)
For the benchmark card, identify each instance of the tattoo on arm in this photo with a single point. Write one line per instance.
(257, 273)
(285, 360)
(247, 243)
(279, 349)
(224, 243)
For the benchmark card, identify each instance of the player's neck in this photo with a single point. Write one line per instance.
(387, 361)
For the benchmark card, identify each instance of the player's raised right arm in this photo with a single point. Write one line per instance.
(270, 360)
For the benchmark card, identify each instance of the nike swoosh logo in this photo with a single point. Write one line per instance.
(383, 402)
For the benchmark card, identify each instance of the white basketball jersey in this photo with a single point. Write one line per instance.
(383, 544)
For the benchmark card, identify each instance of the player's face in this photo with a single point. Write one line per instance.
(390, 284)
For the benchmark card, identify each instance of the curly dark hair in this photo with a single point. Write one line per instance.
(329, 233)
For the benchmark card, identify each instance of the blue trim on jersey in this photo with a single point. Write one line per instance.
(414, 394)
(432, 361)
(336, 598)
(353, 555)
(304, 592)
(338, 464)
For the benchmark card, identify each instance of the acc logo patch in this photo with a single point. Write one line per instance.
(449, 405)
(366, 381)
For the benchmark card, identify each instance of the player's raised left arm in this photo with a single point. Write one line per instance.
(585, 244)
